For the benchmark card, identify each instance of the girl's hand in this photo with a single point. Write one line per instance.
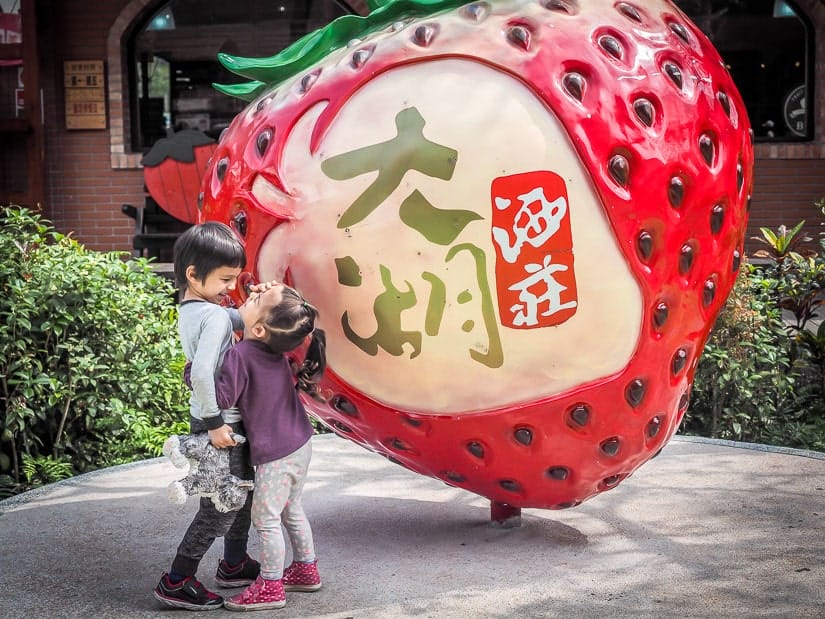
(263, 286)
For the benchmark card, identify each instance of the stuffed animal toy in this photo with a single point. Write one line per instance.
(209, 473)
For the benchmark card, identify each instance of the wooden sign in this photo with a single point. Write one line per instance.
(85, 94)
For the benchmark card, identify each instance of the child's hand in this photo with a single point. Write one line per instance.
(222, 437)
(264, 286)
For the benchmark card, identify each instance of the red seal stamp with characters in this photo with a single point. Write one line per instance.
(535, 279)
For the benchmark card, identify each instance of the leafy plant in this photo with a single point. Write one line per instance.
(762, 376)
(91, 367)
(44, 470)
(8, 487)
(814, 343)
(782, 243)
(744, 381)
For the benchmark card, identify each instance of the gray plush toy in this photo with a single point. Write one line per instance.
(209, 473)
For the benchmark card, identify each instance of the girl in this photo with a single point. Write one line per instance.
(257, 378)
(208, 258)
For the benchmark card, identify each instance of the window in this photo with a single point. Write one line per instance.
(173, 58)
(767, 46)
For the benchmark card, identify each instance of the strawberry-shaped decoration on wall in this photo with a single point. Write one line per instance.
(519, 220)
(173, 171)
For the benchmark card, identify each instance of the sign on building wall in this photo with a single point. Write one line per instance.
(795, 111)
(85, 94)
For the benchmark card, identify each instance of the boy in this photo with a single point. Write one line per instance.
(208, 258)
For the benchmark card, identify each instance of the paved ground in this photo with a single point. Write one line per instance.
(707, 529)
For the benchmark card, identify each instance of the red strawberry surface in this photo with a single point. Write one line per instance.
(518, 219)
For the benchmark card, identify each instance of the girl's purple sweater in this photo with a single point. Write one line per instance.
(261, 385)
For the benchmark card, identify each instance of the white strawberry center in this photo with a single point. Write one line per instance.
(480, 266)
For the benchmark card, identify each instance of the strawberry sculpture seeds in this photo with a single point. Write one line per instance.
(519, 220)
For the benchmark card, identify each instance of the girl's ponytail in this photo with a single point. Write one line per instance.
(315, 362)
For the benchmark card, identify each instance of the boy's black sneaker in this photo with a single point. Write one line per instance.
(188, 593)
(239, 575)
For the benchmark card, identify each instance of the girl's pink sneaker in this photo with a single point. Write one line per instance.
(260, 595)
(301, 576)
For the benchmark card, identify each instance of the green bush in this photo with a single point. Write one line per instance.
(743, 382)
(90, 373)
(762, 375)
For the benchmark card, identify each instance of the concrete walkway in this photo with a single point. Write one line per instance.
(707, 529)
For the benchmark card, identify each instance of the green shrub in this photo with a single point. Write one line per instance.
(90, 372)
(744, 381)
(762, 375)
(43, 470)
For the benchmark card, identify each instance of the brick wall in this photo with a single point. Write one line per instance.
(784, 193)
(83, 192)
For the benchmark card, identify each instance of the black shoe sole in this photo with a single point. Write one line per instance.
(176, 603)
(231, 584)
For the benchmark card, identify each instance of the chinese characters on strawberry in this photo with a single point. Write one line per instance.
(409, 150)
(518, 218)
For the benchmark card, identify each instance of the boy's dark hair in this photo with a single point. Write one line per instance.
(207, 246)
(287, 326)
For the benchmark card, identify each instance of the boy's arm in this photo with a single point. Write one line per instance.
(235, 318)
(222, 437)
(219, 437)
(213, 337)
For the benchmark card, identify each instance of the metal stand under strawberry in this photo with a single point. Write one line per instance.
(504, 516)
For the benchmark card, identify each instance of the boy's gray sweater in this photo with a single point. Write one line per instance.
(206, 333)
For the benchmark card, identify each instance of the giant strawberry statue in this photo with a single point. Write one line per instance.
(518, 218)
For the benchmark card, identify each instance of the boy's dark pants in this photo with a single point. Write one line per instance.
(209, 523)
